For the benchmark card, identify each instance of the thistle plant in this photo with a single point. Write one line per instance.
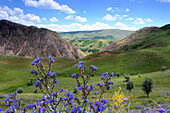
(100, 104)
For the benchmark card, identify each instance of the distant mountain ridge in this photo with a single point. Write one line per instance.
(147, 37)
(20, 40)
(108, 34)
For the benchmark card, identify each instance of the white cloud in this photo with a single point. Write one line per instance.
(123, 26)
(44, 19)
(139, 21)
(84, 12)
(69, 17)
(49, 4)
(124, 15)
(163, 0)
(127, 10)
(17, 15)
(109, 8)
(130, 18)
(109, 17)
(80, 19)
(77, 27)
(148, 20)
(53, 19)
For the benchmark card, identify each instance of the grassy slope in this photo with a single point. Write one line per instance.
(91, 46)
(110, 34)
(137, 97)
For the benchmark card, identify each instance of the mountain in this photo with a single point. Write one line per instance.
(20, 40)
(148, 37)
(108, 34)
(90, 46)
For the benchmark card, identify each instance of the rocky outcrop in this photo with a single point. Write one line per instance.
(20, 40)
(135, 37)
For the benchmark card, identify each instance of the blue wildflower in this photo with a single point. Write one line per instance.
(74, 76)
(92, 87)
(95, 92)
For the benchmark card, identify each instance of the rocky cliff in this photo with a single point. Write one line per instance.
(20, 40)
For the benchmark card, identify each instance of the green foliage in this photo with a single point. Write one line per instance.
(147, 85)
(20, 90)
(29, 83)
(127, 77)
(129, 85)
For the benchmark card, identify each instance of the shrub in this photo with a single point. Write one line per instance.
(20, 90)
(129, 85)
(35, 91)
(139, 75)
(75, 90)
(117, 74)
(127, 77)
(147, 85)
(163, 68)
(29, 83)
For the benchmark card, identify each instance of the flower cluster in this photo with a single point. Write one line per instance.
(118, 99)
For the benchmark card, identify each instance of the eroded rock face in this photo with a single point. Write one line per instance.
(20, 40)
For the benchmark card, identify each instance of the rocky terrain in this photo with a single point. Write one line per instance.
(20, 40)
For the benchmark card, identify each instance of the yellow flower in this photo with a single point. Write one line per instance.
(118, 99)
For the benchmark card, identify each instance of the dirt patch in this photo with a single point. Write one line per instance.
(104, 53)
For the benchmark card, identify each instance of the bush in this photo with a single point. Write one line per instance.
(75, 90)
(35, 91)
(129, 85)
(127, 77)
(118, 74)
(163, 68)
(29, 83)
(139, 75)
(147, 85)
(20, 90)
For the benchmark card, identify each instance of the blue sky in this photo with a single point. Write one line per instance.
(79, 15)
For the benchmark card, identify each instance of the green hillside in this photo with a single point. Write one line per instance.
(90, 46)
(109, 34)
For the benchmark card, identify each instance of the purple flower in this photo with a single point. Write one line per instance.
(92, 87)
(81, 62)
(111, 82)
(51, 59)
(38, 83)
(92, 67)
(112, 74)
(76, 65)
(55, 81)
(74, 76)
(95, 92)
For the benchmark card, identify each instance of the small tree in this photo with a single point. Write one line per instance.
(117, 74)
(147, 85)
(127, 77)
(129, 85)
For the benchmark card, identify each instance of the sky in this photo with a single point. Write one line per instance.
(80, 15)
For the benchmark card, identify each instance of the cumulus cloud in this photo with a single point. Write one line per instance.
(44, 19)
(69, 17)
(124, 15)
(17, 15)
(139, 21)
(124, 26)
(148, 20)
(53, 19)
(76, 27)
(109, 9)
(127, 10)
(80, 19)
(130, 18)
(109, 17)
(49, 4)
(163, 0)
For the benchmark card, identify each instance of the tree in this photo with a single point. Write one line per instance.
(147, 85)
(129, 85)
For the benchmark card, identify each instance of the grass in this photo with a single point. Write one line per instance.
(136, 97)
